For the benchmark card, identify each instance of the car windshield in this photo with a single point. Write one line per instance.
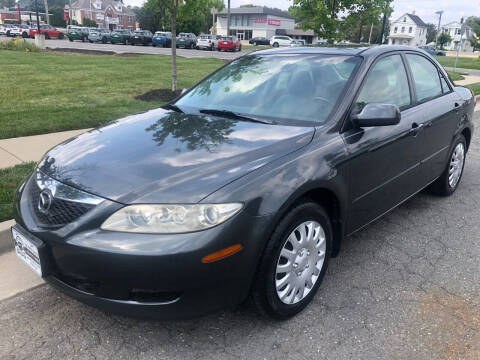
(287, 86)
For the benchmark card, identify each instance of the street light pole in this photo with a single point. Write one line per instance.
(228, 18)
(38, 18)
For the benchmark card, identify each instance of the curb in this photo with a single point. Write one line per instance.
(6, 243)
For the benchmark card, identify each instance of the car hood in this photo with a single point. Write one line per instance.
(165, 157)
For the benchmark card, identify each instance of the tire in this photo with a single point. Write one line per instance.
(443, 186)
(71, 40)
(275, 44)
(104, 40)
(265, 295)
(240, 48)
(47, 37)
(60, 36)
(83, 39)
(90, 41)
(24, 35)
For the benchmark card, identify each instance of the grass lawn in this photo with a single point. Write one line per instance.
(475, 88)
(456, 76)
(253, 47)
(10, 178)
(463, 62)
(47, 92)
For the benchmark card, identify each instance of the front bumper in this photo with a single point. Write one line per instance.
(149, 275)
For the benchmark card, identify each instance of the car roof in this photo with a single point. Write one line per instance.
(370, 51)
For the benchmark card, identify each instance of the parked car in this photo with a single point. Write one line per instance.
(99, 35)
(20, 30)
(259, 41)
(229, 43)
(281, 40)
(121, 36)
(77, 33)
(299, 42)
(162, 39)
(6, 28)
(186, 40)
(143, 37)
(246, 184)
(48, 30)
(207, 42)
(433, 50)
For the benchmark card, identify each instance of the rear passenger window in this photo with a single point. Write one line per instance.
(445, 87)
(386, 83)
(425, 77)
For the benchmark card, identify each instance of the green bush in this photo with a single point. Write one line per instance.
(18, 44)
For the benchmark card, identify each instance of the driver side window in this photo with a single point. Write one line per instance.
(386, 83)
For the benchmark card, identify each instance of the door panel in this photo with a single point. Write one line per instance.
(384, 168)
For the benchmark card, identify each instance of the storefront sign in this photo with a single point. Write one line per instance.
(260, 20)
(274, 22)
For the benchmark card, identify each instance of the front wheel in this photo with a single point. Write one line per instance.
(104, 40)
(294, 261)
(275, 44)
(71, 40)
(448, 182)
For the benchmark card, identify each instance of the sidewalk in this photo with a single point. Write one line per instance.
(14, 151)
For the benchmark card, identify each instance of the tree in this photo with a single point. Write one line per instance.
(431, 32)
(89, 23)
(443, 38)
(333, 19)
(7, 4)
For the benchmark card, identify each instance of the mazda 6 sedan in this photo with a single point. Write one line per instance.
(245, 185)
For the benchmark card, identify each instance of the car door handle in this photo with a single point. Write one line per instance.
(415, 129)
(457, 107)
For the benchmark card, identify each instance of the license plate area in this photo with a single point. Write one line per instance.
(29, 250)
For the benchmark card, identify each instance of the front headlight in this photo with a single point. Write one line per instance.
(169, 218)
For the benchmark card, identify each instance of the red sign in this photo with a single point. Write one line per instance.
(274, 22)
(66, 15)
(260, 20)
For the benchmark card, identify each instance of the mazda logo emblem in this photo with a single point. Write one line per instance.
(45, 201)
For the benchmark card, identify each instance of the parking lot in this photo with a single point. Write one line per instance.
(406, 287)
(135, 49)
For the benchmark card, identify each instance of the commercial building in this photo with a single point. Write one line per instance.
(11, 16)
(408, 29)
(461, 35)
(108, 14)
(250, 22)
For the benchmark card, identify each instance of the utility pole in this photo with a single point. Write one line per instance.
(440, 12)
(38, 18)
(46, 11)
(228, 18)
(380, 41)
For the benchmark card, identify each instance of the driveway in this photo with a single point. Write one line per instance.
(406, 287)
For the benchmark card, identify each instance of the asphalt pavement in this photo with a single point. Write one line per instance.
(406, 287)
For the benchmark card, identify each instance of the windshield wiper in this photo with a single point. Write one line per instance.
(234, 115)
(172, 107)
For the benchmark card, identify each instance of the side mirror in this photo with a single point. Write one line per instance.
(375, 114)
(184, 90)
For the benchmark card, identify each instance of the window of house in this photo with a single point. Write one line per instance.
(386, 83)
(395, 30)
(425, 77)
(403, 29)
(410, 29)
(404, 19)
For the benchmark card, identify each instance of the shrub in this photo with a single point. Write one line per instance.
(18, 44)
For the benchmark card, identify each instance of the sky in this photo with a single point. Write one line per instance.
(453, 10)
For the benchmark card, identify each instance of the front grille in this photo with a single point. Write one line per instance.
(61, 211)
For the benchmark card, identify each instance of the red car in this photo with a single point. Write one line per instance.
(230, 43)
(48, 30)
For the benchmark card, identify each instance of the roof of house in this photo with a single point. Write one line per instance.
(262, 10)
(415, 18)
(88, 4)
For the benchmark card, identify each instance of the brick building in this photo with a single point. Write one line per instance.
(108, 14)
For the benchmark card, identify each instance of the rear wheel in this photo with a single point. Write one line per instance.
(104, 40)
(294, 261)
(448, 182)
(71, 40)
(275, 44)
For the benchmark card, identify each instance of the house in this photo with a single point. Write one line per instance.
(408, 29)
(461, 35)
(108, 14)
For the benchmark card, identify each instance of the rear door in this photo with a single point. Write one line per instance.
(437, 108)
(383, 160)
